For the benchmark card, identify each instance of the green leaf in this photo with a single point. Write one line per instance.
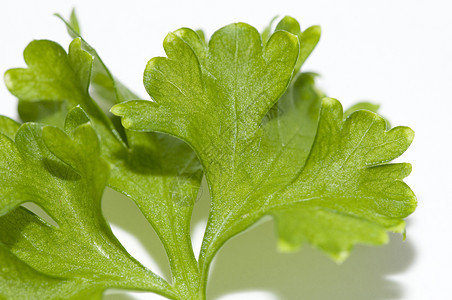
(8, 127)
(293, 120)
(160, 173)
(308, 38)
(105, 85)
(317, 174)
(289, 24)
(66, 177)
(57, 77)
(345, 193)
(73, 21)
(268, 144)
(54, 76)
(215, 102)
(366, 106)
(361, 105)
(20, 281)
(267, 32)
(201, 35)
(74, 119)
(258, 78)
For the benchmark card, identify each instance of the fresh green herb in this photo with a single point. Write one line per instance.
(236, 109)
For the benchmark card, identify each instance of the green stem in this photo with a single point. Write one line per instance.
(175, 237)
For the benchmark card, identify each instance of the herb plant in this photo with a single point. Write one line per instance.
(235, 109)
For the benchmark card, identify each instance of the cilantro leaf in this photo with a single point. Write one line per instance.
(18, 281)
(322, 178)
(82, 249)
(366, 106)
(308, 38)
(232, 84)
(345, 193)
(268, 140)
(55, 76)
(159, 173)
(103, 83)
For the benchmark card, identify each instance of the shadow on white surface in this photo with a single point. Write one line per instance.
(250, 262)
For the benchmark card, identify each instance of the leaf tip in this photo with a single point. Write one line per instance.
(289, 24)
(117, 110)
(330, 102)
(7, 78)
(409, 133)
(404, 134)
(315, 29)
(339, 257)
(74, 21)
(285, 246)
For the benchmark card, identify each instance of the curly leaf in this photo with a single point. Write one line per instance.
(345, 193)
(160, 173)
(66, 177)
(301, 162)
(19, 281)
(308, 38)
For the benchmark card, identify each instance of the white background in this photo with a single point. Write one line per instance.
(396, 53)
